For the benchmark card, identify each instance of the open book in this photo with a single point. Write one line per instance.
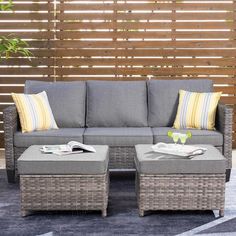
(70, 148)
(178, 150)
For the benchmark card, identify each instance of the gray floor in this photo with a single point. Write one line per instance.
(122, 217)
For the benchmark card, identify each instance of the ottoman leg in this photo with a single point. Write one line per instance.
(221, 212)
(141, 212)
(104, 212)
(25, 213)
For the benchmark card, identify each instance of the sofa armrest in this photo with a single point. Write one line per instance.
(224, 124)
(10, 126)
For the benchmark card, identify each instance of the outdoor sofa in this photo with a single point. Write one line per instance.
(120, 114)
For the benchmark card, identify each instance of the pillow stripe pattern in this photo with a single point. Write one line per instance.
(34, 111)
(196, 110)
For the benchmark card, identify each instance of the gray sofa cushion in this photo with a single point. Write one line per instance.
(163, 98)
(198, 136)
(58, 136)
(149, 162)
(116, 104)
(32, 161)
(67, 100)
(118, 136)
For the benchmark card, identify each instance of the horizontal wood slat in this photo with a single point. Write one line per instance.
(137, 71)
(135, 44)
(122, 40)
(145, 25)
(137, 52)
(21, 79)
(140, 62)
(216, 80)
(140, 35)
(148, 16)
(145, 6)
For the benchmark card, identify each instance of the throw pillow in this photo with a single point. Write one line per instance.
(196, 110)
(34, 111)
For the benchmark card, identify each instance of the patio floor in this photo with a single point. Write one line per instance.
(122, 217)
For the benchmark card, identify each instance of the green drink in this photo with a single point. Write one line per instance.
(175, 137)
(183, 138)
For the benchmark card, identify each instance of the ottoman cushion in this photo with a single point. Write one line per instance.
(33, 161)
(149, 162)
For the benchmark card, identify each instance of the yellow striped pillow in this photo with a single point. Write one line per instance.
(196, 110)
(34, 111)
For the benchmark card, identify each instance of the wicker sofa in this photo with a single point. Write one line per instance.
(120, 114)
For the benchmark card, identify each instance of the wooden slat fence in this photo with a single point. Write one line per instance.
(122, 40)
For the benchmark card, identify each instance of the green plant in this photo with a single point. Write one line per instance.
(11, 44)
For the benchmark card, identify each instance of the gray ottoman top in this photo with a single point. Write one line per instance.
(149, 162)
(33, 161)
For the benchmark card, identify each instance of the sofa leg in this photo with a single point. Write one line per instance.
(221, 212)
(228, 173)
(104, 213)
(11, 176)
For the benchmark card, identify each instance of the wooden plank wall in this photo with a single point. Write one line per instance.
(122, 40)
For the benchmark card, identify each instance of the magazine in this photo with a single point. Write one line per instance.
(72, 147)
(178, 150)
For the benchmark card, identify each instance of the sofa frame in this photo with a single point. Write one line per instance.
(121, 157)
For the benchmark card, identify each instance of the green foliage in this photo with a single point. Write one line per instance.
(6, 6)
(11, 44)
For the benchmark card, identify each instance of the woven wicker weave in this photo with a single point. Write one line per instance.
(120, 157)
(180, 192)
(64, 192)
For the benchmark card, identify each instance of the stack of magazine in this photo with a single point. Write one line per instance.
(72, 147)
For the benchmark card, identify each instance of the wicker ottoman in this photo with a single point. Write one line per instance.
(71, 182)
(174, 183)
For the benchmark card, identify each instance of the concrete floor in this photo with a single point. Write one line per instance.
(2, 161)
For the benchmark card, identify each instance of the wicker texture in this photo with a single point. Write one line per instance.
(224, 123)
(180, 192)
(121, 157)
(10, 119)
(64, 192)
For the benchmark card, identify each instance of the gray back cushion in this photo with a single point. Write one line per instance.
(116, 104)
(163, 98)
(67, 100)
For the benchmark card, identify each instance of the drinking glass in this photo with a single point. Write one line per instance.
(175, 137)
(183, 138)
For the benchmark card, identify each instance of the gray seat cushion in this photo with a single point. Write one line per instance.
(211, 137)
(149, 162)
(163, 98)
(32, 161)
(58, 136)
(116, 104)
(118, 136)
(67, 101)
